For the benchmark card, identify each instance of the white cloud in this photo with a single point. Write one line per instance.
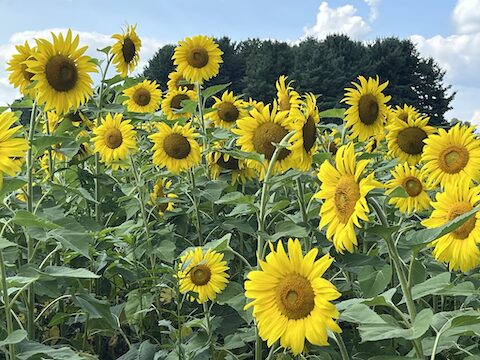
(476, 117)
(338, 20)
(466, 16)
(373, 4)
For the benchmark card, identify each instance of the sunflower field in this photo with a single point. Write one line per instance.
(198, 224)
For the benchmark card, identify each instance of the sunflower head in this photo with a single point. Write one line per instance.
(14, 147)
(197, 58)
(221, 163)
(143, 97)
(405, 113)
(19, 76)
(172, 103)
(159, 192)
(287, 97)
(51, 122)
(228, 109)
(177, 81)
(126, 51)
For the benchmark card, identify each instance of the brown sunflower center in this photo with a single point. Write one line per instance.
(113, 138)
(284, 102)
(61, 73)
(347, 194)
(128, 50)
(368, 109)
(412, 186)
(200, 275)
(453, 159)
(176, 146)
(75, 117)
(198, 57)
(410, 140)
(26, 74)
(458, 209)
(230, 164)
(182, 82)
(228, 112)
(403, 115)
(295, 297)
(176, 102)
(142, 97)
(309, 134)
(266, 134)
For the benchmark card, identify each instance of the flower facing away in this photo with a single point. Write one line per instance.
(158, 193)
(172, 103)
(451, 156)
(291, 300)
(367, 110)
(344, 192)
(413, 183)
(115, 140)
(198, 58)
(460, 247)
(19, 76)
(405, 113)
(287, 97)
(177, 81)
(143, 97)
(175, 148)
(228, 109)
(204, 274)
(61, 71)
(126, 51)
(238, 169)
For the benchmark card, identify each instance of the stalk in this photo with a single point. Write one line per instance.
(341, 346)
(303, 208)
(6, 302)
(197, 212)
(206, 312)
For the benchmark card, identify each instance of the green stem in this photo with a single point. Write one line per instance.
(303, 209)
(195, 206)
(341, 346)
(200, 113)
(6, 303)
(206, 312)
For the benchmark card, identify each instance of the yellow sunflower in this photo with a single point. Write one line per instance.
(305, 121)
(291, 299)
(452, 156)
(158, 193)
(259, 131)
(287, 97)
(254, 104)
(204, 274)
(344, 193)
(221, 163)
(143, 97)
(19, 76)
(368, 110)
(115, 139)
(177, 81)
(55, 156)
(331, 140)
(197, 58)
(172, 103)
(126, 51)
(51, 122)
(12, 149)
(460, 247)
(61, 71)
(405, 113)
(413, 182)
(84, 150)
(374, 143)
(79, 118)
(228, 110)
(406, 138)
(175, 148)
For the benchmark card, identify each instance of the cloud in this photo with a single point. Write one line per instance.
(373, 4)
(338, 20)
(466, 16)
(476, 117)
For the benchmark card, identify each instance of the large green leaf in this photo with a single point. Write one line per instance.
(14, 338)
(431, 286)
(373, 282)
(96, 309)
(63, 271)
(27, 219)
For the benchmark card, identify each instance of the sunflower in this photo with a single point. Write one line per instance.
(331, 140)
(177, 81)
(143, 97)
(405, 113)
(172, 103)
(56, 158)
(306, 120)
(374, 143)
(19, 76)
(228, 110)
(291, 299)
(221, 163)
(452, 156)
(254, 104)
(12, 149)
(79, 118)
(126, 51)
(413, 182)
(61, 72)
(158, 193)
(84, 150)
(114, 140)
(51, 122)
(288, 98)
(197, 58)
(259, 131)
(460, 247)
(203, 274)
(406, 138)
(344, 190)
(367, 112)
(175, 148)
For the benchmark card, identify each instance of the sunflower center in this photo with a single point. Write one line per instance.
(128, 50)
(228, 112)
(453, 159)
(230, 164)
(266, 134)
(75, 117)
(403, 115)
(176, 146)
(410, 140)
(200, 275)
(458, 209)
(284, 102)
(176, 102)
(368, 109)
(61, 73)
(295, 297)
(412, 186)
(26, 74)
(309, 134)
(182, 82)
(198, 57)
(142, 97)
(347, 194)
(113, 138)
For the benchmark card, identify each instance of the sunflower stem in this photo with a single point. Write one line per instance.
(303, 208)
(6, 302)
(195, 205)
(341, 346)
(202, 121)
(206, 312)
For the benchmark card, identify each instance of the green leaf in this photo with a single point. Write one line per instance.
(27, 219)
(431, 286)
(4, 243)
(96, 309)
(212, 90)
(233, 295)
(166, 250)
(398, 192)
(134, 308)
(332, 113)
(288, 229)
(382, 231)
(10, 185)
(63, 271)
(105, 50)
(33, 350)
(236, 198)
(374, 282)
(114, 80)
(219, 245)
(14, 338)
(72, 236)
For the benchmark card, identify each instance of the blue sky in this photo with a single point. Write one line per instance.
(449, 30)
